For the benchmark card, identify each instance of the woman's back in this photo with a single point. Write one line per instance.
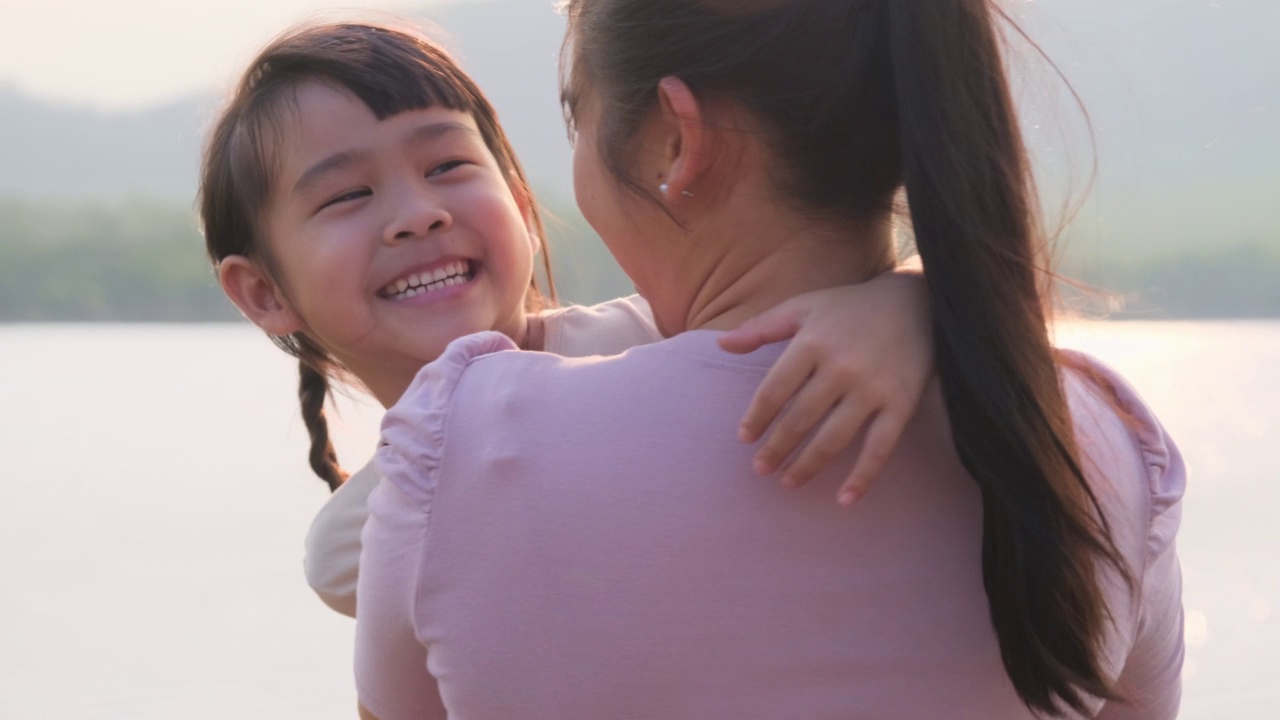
(592, 543)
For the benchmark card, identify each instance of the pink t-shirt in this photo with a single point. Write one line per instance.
(585, 538)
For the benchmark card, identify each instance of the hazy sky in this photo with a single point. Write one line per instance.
(125, 54)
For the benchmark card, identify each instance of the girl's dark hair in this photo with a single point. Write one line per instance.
(859, 99)
(391, 70)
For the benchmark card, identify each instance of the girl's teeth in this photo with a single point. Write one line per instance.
(453, 274)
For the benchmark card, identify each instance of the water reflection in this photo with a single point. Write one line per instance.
(158, 493)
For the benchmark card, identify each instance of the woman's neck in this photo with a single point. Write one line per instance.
(757, 260)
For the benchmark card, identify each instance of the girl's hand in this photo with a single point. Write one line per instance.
(859, 362)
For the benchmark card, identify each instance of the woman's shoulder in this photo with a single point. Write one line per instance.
(1126, 446)
(413, 429)
(434, 384)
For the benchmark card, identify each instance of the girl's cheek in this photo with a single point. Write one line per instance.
(343, 231)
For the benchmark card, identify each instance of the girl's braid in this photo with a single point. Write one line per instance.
(313, 389)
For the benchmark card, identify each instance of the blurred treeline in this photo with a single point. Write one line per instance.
(1240, 281)
(144, 261)
(135, 261)
(1182, 218)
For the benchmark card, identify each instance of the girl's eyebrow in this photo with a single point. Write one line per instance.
(337, 161)
(431, 131)
(347, 158)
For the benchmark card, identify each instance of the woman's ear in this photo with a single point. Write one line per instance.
(686, 138)
(257, 296)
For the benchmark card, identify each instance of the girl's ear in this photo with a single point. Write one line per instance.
(524, 201)
(257, 296)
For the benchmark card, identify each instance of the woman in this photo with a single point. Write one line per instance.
(578, 539)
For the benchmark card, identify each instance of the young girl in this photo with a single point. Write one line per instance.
(364, 208)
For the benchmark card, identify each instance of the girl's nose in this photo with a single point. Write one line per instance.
(420, 214)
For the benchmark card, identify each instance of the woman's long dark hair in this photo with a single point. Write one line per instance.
(392, 70)
(861, 99)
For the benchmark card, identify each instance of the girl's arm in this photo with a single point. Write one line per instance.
(859, 361)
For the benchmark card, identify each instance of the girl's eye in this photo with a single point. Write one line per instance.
(446, 167)
(347, 196)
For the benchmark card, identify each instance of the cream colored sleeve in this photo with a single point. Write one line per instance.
(609, 328)
(332, 559)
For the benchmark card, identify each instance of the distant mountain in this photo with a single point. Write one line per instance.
(1183, 94)
(61, 152)
(1184, 98)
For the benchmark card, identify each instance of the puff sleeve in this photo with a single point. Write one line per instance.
(392, 676)
(1151, 678)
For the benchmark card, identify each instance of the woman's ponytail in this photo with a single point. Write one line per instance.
(860, 98)
(973, 210)
(313, 390)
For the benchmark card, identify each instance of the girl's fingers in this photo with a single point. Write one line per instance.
(882, 438)
(805, 412)
(780, 385)
(780, 323)
(838, 430)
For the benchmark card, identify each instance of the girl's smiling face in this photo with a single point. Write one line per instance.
(393, 237)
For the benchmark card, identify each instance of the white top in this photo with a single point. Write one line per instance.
(332, 560)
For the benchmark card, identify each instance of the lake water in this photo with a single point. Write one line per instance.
(156, 496)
